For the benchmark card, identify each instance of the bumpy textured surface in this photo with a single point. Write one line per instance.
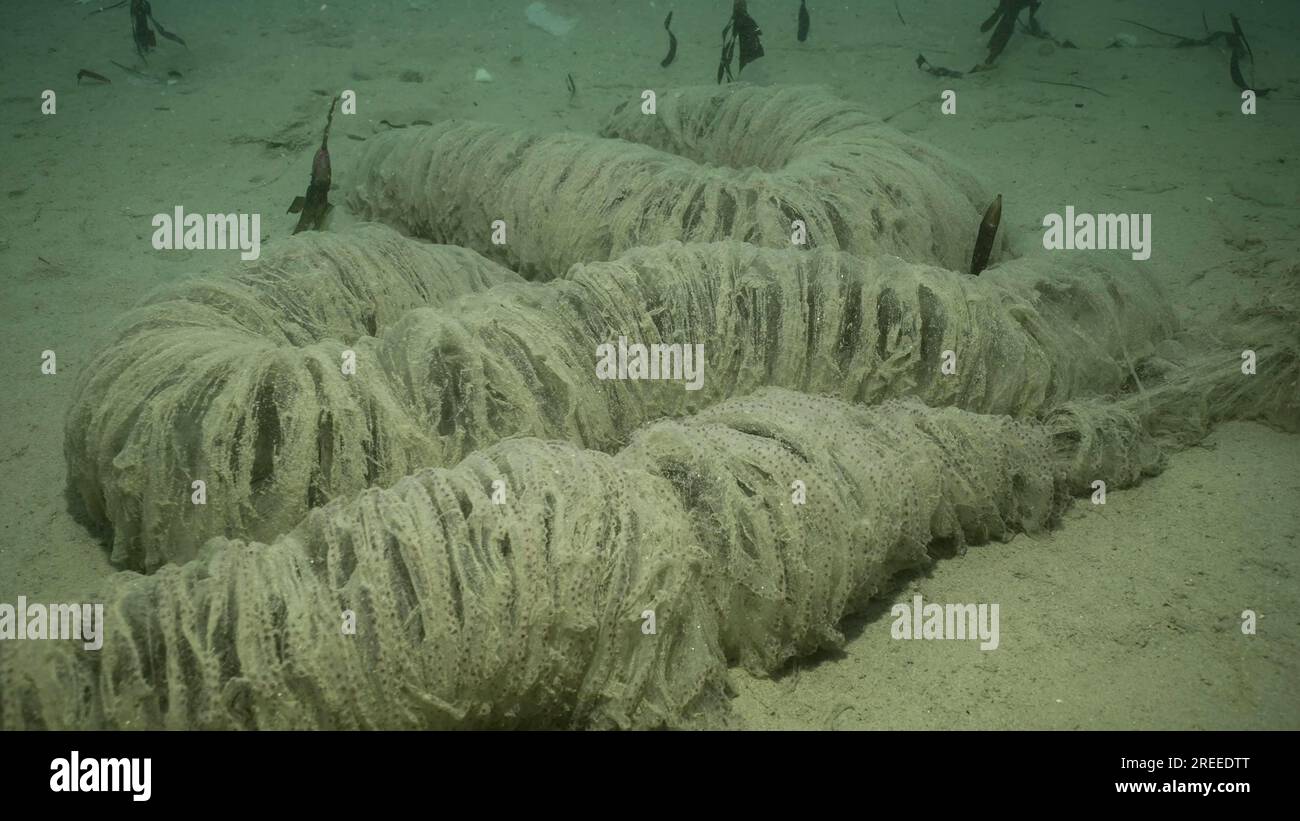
(884, 488)
(262, 412)
(530, 612)
(713, 163)
(239, 382)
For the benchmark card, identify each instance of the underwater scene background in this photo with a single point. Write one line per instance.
(1170, 605)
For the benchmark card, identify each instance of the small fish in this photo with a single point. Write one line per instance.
(316, 205)
(672, 43)
(988, 232)
(804, 20)
(91, 75)
(573, 87)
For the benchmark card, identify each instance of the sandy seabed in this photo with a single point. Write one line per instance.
(1127, 616)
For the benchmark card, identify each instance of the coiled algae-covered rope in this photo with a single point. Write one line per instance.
(605, 577)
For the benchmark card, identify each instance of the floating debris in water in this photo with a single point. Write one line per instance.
(141, 16)
(91, 75)
(141, 34)
(1235, 39)
(1035, 29)
(742, 31)
(938, 71)
(1003, 23)
(1183, 42)
(672, 43)
(1070, 85)
(546, 20)
(392, 124)
(1241, 48)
